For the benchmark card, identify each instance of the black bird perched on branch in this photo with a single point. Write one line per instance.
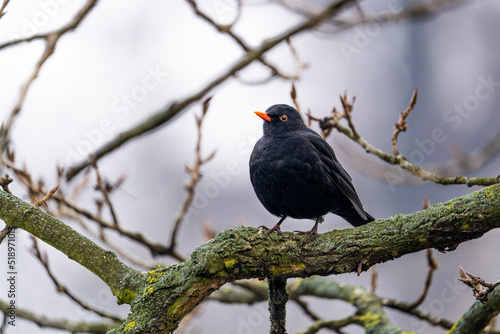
(295, 173)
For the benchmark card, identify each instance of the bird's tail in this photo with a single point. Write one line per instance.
(356, 220)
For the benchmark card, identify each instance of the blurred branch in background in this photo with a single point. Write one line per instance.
(60, 324)
(51, 40)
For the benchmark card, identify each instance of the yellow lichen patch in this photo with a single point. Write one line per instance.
(130, 326)
(490, 192)
(370, 319)
(230, 262)
(294, 267)
(148, 290)
(153, 276)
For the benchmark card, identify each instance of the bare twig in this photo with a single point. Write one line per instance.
(374, 280)
(60, 324)
(335, 325)
(5, 3)
(105, 193)
(432, 266)
(347, 112)
(195, 176)
(228, 30)
(4, 233)
(49, 195)
(293, 95)
(403, 307)
(480, 288)
(42, 257)
(400, 125)
(4, 183)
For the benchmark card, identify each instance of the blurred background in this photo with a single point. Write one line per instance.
(128, 59)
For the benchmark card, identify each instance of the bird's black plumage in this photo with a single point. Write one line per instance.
(295, 173)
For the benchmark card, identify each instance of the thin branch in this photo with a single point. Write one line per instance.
(167, 113)
(195, 178)
(305, 308)
(61, 324)
(463, 162)
(432, 266)
(61, 288)
(293, 95)
(430, 318)
(347, 106)
(335, 325)
(4, 183)
(480, 288)
(400, 125)
(228, 30)
(49, 195)
(5, 3)
(105, 194)
(373, 279)
(5, 231)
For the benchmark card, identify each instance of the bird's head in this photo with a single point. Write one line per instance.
(281, 119)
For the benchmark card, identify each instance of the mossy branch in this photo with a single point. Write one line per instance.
(246, 252)
(122, 280)
(160, 300)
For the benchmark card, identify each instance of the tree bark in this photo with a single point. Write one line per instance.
(164, 296)
(278, 296)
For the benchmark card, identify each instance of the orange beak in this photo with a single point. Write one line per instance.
(263, 115)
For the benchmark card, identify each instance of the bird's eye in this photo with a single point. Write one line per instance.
(283, 118)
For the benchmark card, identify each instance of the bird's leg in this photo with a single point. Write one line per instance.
(276, 227)
(312, 232)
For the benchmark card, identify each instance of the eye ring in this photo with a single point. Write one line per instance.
(283, 118)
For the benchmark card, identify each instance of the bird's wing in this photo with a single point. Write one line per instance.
(335, 171)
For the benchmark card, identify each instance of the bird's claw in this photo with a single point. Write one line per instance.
(276, 228)
(313, 232)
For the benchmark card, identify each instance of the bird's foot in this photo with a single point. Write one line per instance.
(276, 228)
(312, 232)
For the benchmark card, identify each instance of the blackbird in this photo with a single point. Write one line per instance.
(295, 173)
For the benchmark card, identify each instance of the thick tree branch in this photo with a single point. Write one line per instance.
(62, 324)
(168, 294)
(173, 109)
(244, 252)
